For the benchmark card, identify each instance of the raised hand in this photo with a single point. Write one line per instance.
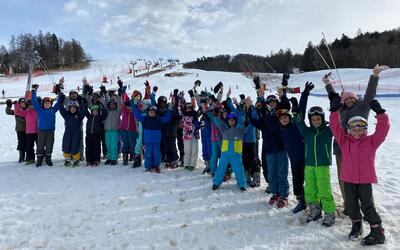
(285, 78)
(335, 103)
(376, 107)
(308, 87)
(378, 69)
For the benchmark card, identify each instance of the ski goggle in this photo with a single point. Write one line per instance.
(357, 125)
(271, 98)
(316, 111)
(281, 112)
(188, 106)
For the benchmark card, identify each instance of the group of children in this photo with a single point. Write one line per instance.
(229, 131)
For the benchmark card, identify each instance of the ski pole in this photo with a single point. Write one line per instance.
(333, 61)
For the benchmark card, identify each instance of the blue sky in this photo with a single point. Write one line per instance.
(189, 29)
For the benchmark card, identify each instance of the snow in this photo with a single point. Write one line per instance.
(123, 208)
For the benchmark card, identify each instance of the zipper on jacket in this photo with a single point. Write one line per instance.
(92, 125)
(327, 153)
(315, 147)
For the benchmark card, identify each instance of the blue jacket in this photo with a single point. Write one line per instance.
(152, 126)
(292, 139)
(250, 135)
(46, 117)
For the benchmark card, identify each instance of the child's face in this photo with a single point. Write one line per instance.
(113, 106)
(72, 110)
(152, 113)
(357, 132)
(316, 121)
(284, 120)
(231, 122)
(273, 104)
(95, 112)
(47, 105)
(73, 96)
(350, 102)
(22, 105)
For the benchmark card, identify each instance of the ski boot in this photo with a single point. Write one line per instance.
(67, 163)
(328, 220)
(48, 161)
(76, 163)
(282, 202)
(107, 162)
(39, 160)
(376, 236)
(315, 213)
(124, 159)
(273, 199)
(301, 205)
(356, 230)
(21, 156)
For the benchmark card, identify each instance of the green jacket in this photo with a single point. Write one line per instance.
(317, 143)
(19, 120)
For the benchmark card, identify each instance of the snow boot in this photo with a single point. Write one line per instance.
(315, 213)
(256, 179)
(356, 230)
(243, 189)
(273, 199)
(268, 190)
(376, 236)
(328, 220)
(137, 162)
(48, 161)
(124, 159)
(301, 205)
(39, 160)
(207, 168)
(131, 157)
(107, 162)
(76, 163)
(157, 170)
(21, 156)
(282, 202)
(67, 163)
(227, 176)
(214, 187)
(113, 162)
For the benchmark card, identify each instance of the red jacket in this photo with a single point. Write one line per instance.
(358, 155)
(128, 121)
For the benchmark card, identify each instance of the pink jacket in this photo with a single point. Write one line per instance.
(358, 155)
(30, 116)
(128, 121)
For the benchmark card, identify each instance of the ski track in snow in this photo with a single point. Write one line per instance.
(123, 208)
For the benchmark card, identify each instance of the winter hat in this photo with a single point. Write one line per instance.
(348, 94)
(282, 112)
(94, 107)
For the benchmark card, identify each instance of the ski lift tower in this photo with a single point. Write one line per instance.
(148, 63)
(161, 60)
(133, 63)
(32, 59)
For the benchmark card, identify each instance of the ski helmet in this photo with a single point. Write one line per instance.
(94, 107)
(357, 121)
(232, 116)
(21, 100)
(72, 91)
(282, 112)
(162, 99)
(151, 108)
(271, 98)
(316, 110)
(47, 99)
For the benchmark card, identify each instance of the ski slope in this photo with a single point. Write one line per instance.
(123, 208)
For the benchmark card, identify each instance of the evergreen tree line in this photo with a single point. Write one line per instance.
(55, 52)
(363, 51)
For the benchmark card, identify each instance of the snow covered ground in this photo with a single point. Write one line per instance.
(123, 208)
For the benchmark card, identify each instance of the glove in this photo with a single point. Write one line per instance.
(285, 79)
(9, 103)
(376, 107)
(90, 90)
(57, 89)
(218, 87)
(120, 82)
(103, 90)
(242, 97)
(197, 82)
(336, 103)
(35, 86)
(155, 88)
(191, 94)
(127, 103)
(122, 90)
(295, 104)
(146, 83)
(176, 91)
(308, 87)
(256, 81)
